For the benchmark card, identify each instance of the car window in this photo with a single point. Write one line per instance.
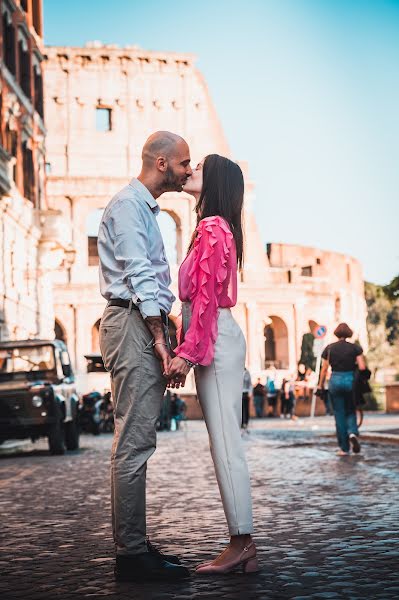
(27, 359)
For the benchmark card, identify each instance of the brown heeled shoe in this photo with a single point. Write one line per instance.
(247, 560)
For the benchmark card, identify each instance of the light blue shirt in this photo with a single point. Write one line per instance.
(132, 256)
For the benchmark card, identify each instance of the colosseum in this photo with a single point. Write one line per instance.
(101, 103)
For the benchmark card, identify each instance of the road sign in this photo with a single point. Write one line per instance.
(318, 346)
(321, 331)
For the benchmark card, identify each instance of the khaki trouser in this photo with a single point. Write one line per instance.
(219, 388)
(138, 387)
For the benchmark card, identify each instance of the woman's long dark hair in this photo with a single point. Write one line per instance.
(222, 195)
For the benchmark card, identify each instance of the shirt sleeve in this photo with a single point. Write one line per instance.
(209, 271)
(131, 249)
(325, 352)
(358, 350)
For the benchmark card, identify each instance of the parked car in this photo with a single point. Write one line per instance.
(38, 395)
(90, 413)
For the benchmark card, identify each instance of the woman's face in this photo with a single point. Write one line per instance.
(193, 184)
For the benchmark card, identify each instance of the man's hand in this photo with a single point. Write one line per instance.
(178, 368)
(155, 325)
(162, 354)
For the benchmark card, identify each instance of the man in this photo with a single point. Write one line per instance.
(177, 410)
(135, 280)
(271, 393)
(259, 398)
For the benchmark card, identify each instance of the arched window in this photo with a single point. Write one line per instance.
(92, 225)
(276, 344)
(95, 337)
(59, 331)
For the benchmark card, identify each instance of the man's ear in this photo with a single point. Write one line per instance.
(161, 163)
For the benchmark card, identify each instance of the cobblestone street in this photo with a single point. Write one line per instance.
(325, 527)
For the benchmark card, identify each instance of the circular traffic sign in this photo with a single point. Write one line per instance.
(321, 331)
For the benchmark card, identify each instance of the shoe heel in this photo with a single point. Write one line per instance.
(251, 566)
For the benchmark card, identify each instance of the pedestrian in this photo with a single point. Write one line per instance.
(259, 398)
(177, 411)
(214, 342)
(288, 398)
(344, 358)
(246, 395)
(135, 281)
(272, 394)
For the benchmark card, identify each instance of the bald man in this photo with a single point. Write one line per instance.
(135, 281)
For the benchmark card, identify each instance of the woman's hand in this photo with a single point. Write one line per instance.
(178, 368)
(177, 382)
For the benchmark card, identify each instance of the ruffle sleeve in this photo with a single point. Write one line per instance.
(209, 270)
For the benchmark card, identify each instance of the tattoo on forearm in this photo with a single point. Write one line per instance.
(155, 325)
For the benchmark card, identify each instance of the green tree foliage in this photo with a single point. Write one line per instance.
(383, 325)
(307, 357)
(392, 289)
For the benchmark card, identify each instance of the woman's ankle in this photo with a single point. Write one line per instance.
(240, 541)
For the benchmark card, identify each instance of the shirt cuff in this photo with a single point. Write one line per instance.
(149, 308)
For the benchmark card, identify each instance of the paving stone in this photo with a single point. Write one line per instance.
(325, 528)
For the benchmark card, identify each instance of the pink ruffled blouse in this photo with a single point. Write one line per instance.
(207, 279)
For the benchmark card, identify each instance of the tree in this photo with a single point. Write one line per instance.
(382, 327)
(392, 289)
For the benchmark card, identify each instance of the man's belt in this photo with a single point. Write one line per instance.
(122, 303)
(126, 304)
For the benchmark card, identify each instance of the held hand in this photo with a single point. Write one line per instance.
(177, 382)
(162, 354)
(178, 368)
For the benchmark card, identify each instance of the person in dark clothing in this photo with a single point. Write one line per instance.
(272, 394)
(287, 399)
(246, 393)
(344, 358)
(177, 410)
(259, 398)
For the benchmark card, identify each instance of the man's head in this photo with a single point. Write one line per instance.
(166, 161)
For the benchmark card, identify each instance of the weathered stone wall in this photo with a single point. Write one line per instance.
(145, 92)
(27, 252)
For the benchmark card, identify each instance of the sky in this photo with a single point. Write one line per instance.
(307, 92)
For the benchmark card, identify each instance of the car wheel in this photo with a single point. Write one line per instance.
(56, 438)
(72, 435)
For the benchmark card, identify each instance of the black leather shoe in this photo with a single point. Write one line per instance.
(168, 557)
(147, 567)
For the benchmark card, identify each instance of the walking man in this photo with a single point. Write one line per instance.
(135, 281)
(259, 398)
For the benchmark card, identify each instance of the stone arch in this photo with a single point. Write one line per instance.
(92, 224)
(95, 337)
(59, 331)
(170, 225)
(276, 343)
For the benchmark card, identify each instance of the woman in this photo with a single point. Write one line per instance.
(343, 357)
(215, 345)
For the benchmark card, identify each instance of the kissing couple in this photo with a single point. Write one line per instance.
(135, 281)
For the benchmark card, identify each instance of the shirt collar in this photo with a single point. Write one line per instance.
(146, 194)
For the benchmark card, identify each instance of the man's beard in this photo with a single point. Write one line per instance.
(171, 182)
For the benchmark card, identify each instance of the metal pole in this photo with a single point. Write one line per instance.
(318, 364)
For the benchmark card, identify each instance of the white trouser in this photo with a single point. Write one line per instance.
(219, 388)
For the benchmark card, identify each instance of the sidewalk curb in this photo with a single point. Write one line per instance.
(370, 436)
(384, 438)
